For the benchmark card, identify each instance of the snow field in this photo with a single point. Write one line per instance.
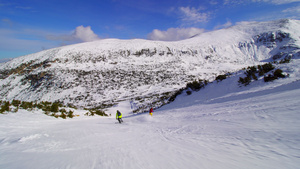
(221, 126)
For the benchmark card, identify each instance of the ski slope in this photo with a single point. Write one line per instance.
(222, 126)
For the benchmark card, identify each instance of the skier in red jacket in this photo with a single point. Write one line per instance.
(151, 111)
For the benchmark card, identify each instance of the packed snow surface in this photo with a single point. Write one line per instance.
(221, 126)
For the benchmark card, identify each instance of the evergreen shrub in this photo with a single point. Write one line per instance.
(195, 85)
(269, 78)
(278, 73)
(70, 114)
(5, 107)
(221, 77)
(16, 103)
(54, 107)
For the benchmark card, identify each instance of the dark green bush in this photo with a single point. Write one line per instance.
(46, 108)
(98, 112)
(53, 114)
(63, 115)
(278, 73)
(16, 103)
(254, 77)
(70, 114)
(173, 97)
(285, 60)
(221, 77)
(63, 110)
(195, 85)
(5, 107)
(39, 106)
(263, 69)
(26, 105)
(245, 81)
(251, 71)
(267, 67)
(54, 107)
(269, 78)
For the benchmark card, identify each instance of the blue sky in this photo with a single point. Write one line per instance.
(29, 26)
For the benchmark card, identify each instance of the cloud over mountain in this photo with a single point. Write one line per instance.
(173, 34)
(80, 34)
(85, 34)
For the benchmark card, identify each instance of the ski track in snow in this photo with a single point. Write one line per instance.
(243, 131)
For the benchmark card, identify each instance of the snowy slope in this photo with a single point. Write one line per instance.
(105, 72)
(221, 126)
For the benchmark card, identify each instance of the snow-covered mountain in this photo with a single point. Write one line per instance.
(221, 126)
(105, 72)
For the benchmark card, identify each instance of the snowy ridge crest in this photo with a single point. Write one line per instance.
(105, 72)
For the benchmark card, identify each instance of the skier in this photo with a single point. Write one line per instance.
(151, 111)
(119, 116)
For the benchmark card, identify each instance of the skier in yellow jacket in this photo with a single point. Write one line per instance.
(119, 116)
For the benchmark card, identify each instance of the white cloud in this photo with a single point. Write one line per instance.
(295, 9)
(7, 22)
(277, 2)
(85, 34)
(235, 2)
(173, 34)
(80, 34)
(226, 25)
(214, 2)
(193, 15)
(16, 39)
